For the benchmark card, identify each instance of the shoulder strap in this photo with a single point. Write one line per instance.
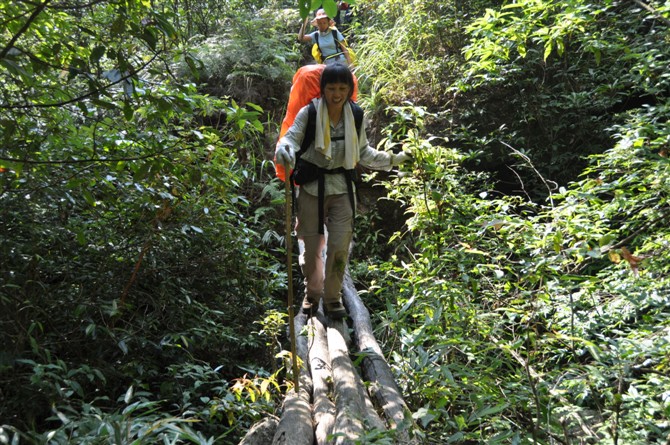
(358, 116)
(334, 31)
(310, 130)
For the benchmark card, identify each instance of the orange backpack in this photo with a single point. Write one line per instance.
(306, 86)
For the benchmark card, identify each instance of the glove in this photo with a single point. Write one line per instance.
(400, 158)
(285, 155)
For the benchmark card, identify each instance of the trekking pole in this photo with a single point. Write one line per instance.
(289, 251)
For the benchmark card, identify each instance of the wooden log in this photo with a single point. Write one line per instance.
(295, 426)
(373, 418)
(302, 341)
(369, 412)
(350, 408)
(262, 432)
(383, 388)
(319, 362)
(330, 375)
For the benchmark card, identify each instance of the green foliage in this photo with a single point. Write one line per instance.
(205, 18)
(139, 422)
(403, 49)
(512, 321)
(251, 58)
(140, 255)
(549, 78)
(129, 251)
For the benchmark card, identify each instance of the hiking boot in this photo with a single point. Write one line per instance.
(310, 304)
(335, 310)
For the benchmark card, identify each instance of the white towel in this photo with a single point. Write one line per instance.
(322, 134)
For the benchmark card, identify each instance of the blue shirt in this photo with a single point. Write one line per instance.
(328, 46)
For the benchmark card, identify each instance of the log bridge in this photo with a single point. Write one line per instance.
(339, 401)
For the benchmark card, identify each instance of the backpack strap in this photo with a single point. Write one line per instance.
(310, 130)
(358, 116)
(337, 46)
(310, 134)
(338, 49)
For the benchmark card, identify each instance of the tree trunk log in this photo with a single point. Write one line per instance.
(350, 407)
(295, 425)
(319, 361)
(383, 388)
(262, 432)
(333, 405)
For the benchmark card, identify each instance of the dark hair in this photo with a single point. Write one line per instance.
(337, 73)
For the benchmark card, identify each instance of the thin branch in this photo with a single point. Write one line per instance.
(91, 160)
(136, 268)
(84, 96)
(24, 28)
(644, 227)
(67, 6)
(654, 12)
(35, 58)
(527, 159)
(523, 186)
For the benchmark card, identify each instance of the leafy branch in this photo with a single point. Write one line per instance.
(653, 11)
(91, 93)
(38, 10)
(93, 160)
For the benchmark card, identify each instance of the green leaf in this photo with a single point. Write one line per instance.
(547, 50)
(149, 37)
(128, 111)
(90, 200)
(330, 6)
(9, 127)
(104, 104)
(15, 68)
(165, 26)
(119, 26)
(81, 237)
(191, 61)
(129, 395)
(305, 8)
(97, 53)
(486, 411)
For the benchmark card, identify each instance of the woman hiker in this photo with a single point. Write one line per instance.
(331, 51)
(332, 147)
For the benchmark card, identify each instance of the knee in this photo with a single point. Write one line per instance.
(340, 261)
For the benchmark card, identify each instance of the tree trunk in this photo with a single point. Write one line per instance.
(262, 432)
(333, 405)
(296, 426)
(382, 387)
(319, 360)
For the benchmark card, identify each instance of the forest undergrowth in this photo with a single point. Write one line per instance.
(516, 270)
